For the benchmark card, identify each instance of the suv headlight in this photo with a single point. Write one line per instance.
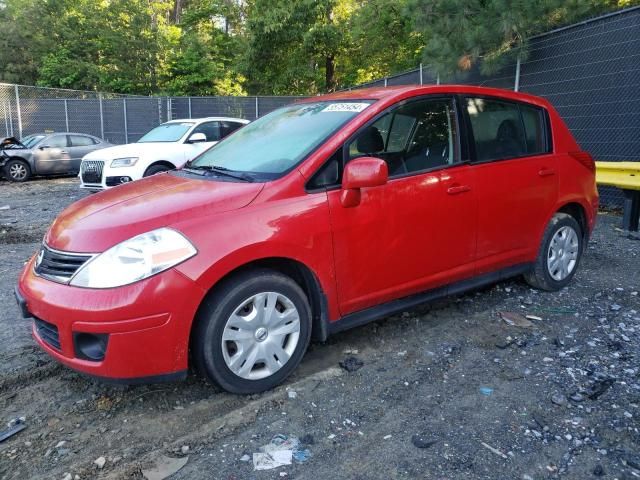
(124, 162)
(135, 259)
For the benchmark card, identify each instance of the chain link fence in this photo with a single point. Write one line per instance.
(589, 71)
(116, 118)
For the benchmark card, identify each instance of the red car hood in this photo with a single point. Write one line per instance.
(100, 221)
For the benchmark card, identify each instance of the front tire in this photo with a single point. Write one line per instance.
(252, 331)
(559, 255)
(17, 170)
(153, 169)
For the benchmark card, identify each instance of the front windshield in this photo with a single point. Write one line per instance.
(278, 141)
(167, 132)
(30, 140)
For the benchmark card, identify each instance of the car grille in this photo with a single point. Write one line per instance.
(59, 266)
(91, 171)
(48, 333)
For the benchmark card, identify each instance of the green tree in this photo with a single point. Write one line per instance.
(459, 34)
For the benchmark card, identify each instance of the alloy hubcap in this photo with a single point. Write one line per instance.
(261, 335)
(18, 171)
(563, 253)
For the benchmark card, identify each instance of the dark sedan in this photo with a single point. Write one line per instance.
(46, 154)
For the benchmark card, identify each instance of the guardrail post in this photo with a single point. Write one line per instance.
(126, 127)
(66, 114)
(101, 116)
(19, 112)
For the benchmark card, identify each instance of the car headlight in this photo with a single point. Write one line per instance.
(135, 259)
(124, 162)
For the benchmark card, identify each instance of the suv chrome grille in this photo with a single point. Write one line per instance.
(59, 266)
(48, 333)
(91, 171)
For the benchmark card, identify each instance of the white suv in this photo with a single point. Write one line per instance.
(166, 147)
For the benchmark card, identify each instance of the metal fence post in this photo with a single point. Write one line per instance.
(257, 112)
(101, 116)
(516, 85)
(126, 127)
(385, 81)
(437, 79)
(190, 107)
(169, 108)
(420, 74)
(19, 112)
(66, 114)
(159, 110)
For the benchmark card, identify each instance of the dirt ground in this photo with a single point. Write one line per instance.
(446, 391)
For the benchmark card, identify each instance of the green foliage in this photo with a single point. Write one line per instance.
(460, 34)
(219, 47)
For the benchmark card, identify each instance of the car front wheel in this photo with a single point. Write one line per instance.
(559, 254)
(252, 332)
(153, 169)
(17, 170)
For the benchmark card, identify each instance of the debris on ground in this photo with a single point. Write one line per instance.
(494, 450)
(486, 391)
(14, 426)
(423, 441)
(100, 462)
(164, 467)
(280, 451)
(351, 364)
(515, 319)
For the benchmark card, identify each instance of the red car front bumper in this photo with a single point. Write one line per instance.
(146, 324)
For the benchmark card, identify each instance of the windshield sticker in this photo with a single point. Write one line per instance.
(346, 107)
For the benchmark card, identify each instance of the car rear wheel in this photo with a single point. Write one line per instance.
(559, 254)
(153, 169)
(17, 170)
(252, 332)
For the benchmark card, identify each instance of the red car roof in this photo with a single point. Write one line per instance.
(403, 91)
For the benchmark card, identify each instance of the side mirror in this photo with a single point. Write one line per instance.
(363, 172)
(197, 138)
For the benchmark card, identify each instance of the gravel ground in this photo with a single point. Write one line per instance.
(446, 391)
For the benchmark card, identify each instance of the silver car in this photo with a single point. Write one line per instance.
(46, 154)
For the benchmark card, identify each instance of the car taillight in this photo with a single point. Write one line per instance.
(585, 159)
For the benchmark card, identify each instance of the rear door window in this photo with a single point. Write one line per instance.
(504, 129)
(229, 127)
(81, 141)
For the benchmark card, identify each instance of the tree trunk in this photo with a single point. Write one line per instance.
(330, 73)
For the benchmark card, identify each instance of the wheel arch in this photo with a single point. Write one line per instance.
(164, 163)
(29, 165)
(578, 212)
(299, 273)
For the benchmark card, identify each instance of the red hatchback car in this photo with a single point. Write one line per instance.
(318, 217)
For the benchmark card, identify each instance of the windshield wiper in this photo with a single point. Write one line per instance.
(221, 171)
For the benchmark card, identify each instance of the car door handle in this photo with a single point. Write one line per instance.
(456, 189)
(64, 152)
(546, 172)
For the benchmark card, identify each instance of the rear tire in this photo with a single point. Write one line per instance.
(17, 170)
(153, 169)
(559, 255)
(251, 332)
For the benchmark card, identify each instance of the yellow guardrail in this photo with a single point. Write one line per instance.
(626, 176)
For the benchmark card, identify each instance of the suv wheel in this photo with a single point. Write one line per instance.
(252, 332)
(559, 254)
(153, 169)
(17, 170)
